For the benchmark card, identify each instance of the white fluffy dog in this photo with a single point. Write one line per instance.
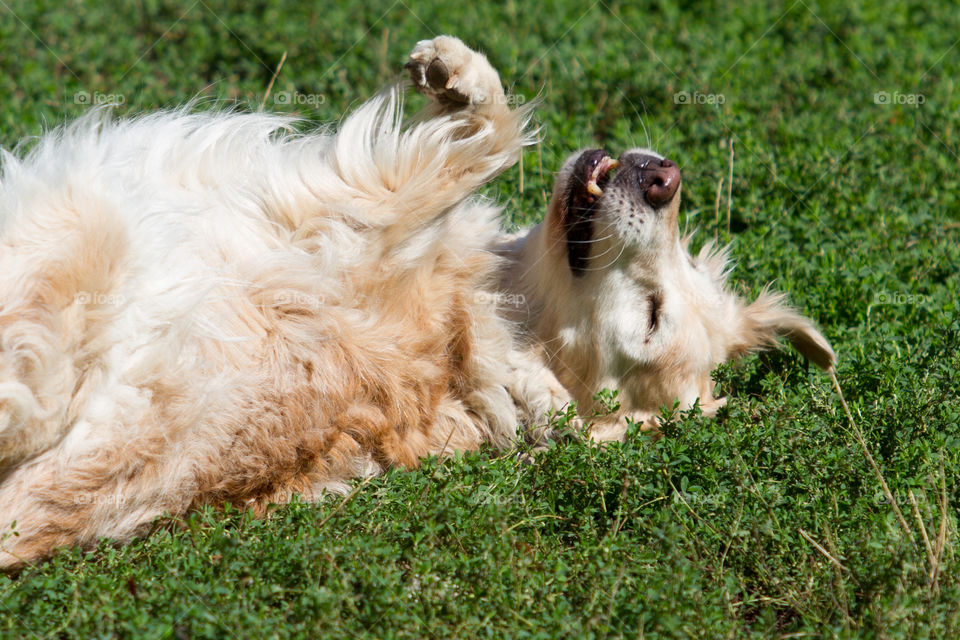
(199, 308)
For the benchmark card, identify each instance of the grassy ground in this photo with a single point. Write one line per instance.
(769, 521)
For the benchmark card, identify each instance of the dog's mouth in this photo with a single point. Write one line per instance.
(591, 174)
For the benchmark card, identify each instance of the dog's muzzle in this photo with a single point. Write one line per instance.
(656, 179)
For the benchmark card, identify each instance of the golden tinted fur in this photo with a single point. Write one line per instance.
(637, 314)
(206, 308)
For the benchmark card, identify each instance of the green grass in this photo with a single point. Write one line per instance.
(724, 527)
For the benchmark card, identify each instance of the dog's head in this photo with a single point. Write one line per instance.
(603, 210)
(670, 319)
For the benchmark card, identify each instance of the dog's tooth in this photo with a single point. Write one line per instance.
(594, 189)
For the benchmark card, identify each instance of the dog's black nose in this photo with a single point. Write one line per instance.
(659, 180)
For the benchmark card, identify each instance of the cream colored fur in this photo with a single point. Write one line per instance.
(593, 328)
(200, 308)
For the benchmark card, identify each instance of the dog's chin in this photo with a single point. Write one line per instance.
(632, 224)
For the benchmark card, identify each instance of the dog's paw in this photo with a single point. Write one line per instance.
(711, 406)
(450, 72)
(613, 428)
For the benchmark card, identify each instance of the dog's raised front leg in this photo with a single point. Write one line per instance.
(411, 175)
(479, 134)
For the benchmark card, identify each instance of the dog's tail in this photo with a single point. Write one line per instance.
(768, 318)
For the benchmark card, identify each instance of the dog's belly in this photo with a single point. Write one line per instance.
(198, 336)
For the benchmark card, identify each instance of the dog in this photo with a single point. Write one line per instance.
(203, 308)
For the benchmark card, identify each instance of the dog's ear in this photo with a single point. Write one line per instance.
(767, 319)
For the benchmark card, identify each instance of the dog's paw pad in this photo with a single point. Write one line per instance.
(447, 70)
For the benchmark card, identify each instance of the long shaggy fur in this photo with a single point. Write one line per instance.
(201, 308)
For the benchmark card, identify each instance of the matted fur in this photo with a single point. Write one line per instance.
(198, 308)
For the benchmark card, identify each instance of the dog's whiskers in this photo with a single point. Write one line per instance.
(623, 248)
(600, 255)
(591, 241)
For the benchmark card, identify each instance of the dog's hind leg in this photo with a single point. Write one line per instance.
(59, 270)
(767, 318)
(66, 497)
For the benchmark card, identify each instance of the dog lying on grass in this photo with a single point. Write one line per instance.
(201, 308)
